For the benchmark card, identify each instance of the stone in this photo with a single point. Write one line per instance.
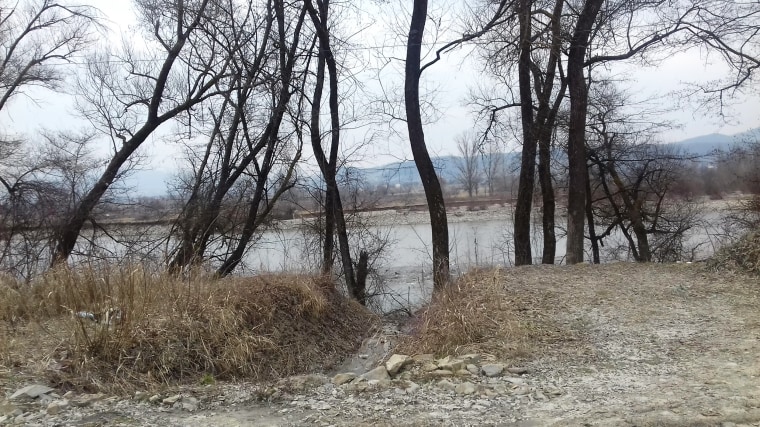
(155, 398)
(472, 358)
(141, 395)
(344, 378)
(31, 391)
(56, 407)
(190, 404)
(446, 384)
(86, 400)
(473, 369)
(518, 371)
(463, 373)
(492, 369)
(441, 373)
(465, 388)
(429, 367)
(69, 394)
(8, 409)
(171, 400)
(450, 364)
(396, 363)
(423, 358)
(379, 373)
(408, 387)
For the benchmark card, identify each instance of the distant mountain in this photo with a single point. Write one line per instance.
(706, 144)
(404, 173)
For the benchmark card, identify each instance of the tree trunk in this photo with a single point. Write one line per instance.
(430, 183)
(590, 219)
(576, 143)
(526, 184)
(331, 166)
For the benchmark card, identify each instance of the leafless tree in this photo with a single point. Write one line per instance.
(127, 96)
(468, 171)
(631, 178)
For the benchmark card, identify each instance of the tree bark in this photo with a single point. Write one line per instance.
(523, 207)
(576, 144)
(330, 167)
(430, 182)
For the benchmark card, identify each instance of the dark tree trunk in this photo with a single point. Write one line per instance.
(590, 219)
(430, 183)
(526, 184)
(287, 61)
(68, 233)
(330, 167)
(547, 117)
(576, 144)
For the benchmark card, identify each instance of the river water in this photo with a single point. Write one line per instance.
(403, 273)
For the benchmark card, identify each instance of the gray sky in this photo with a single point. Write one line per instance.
(451, 78)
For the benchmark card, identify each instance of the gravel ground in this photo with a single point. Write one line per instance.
(640, 345)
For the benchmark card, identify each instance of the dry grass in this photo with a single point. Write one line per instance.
(175, 330)
(478, 314)
(743, 256)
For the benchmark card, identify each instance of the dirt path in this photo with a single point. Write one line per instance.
(640, 345)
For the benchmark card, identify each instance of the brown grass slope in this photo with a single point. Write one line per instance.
(174, 330)
(743, 256)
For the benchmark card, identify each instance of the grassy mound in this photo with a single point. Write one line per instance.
(167, 330)
(476, 314)
(743, 256)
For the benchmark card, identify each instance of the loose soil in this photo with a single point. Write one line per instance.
(623, 344)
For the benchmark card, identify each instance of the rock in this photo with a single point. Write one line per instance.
(517, 371)
(379, 373)
(408, 387)
(8, 409)
(450, 364)
(190, 404)
(553, 391)
(396, 363)
(470, 359)
(86, 400)
(473, 369)
(172, 399)
(463, 373)
(141, 395)
(446, 384)
(344, 378)
(56, 407)
(423, 358)
(465, 388)
(31, 392)
(492, 369)
(379, 384)
(429, 367)
(69, 394)
(441, 373)
(155, 398)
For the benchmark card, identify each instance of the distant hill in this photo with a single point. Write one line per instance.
(404, 173)
(706, 144)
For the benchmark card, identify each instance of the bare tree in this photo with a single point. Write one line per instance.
(128, 103)
(492, 163)
(468, 171)
(430, 182)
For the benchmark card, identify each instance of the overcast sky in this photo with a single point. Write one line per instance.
(452, 78)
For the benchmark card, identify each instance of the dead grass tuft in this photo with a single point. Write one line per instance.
(743, 256)
(173, 330)
(475, 314)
